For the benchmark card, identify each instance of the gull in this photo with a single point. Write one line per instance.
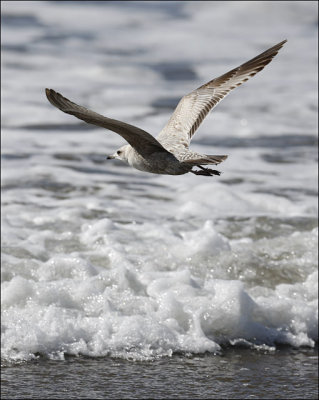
(169, 153)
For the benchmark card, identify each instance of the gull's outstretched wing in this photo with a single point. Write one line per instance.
(193, 108)
(143, 142)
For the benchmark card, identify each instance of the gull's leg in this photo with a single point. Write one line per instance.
(199, 173)
(211, 171)
(206, 171)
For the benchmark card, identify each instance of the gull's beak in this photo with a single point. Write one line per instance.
(111, 157)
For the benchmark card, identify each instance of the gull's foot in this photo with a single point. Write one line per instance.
(206, 171)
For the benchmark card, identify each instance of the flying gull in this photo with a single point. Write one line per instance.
(169, 153)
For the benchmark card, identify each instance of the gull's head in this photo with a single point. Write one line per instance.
(120, 154)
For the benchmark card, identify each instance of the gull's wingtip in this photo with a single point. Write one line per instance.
(277, 46)
(48, 92)
(56, 99)
(280, 44)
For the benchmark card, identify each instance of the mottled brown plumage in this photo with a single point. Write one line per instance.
(169, 153)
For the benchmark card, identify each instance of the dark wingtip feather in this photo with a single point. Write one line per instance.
(47, 92)
(50, 95)
(57, 100)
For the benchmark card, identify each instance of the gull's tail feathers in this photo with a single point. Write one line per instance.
(216, 159)
(206, 160)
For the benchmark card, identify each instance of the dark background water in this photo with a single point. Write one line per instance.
(238, 373)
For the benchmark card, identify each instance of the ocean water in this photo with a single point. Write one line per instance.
(147, 279)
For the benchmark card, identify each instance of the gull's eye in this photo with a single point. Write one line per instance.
(118, 152)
